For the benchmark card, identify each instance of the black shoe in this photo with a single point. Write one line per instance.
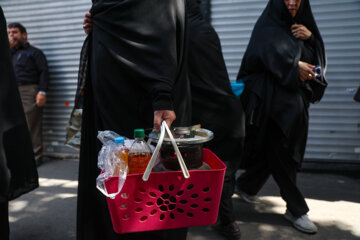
(231, 231)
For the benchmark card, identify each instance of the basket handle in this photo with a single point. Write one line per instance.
(151, 163)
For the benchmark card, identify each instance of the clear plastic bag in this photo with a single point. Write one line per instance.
(107, 162)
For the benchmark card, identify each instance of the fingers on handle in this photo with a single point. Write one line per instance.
(157, 120)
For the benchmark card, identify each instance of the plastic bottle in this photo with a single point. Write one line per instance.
(140, 153)
(122, 153)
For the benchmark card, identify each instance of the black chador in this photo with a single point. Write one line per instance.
(276, 102)
(18, 174)
(214, 105)
(137, 54)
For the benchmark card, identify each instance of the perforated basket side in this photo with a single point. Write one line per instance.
(168, 200)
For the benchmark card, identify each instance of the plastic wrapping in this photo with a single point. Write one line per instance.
(107, 160)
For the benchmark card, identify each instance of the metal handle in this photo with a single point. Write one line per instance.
(151, 163)
(155, 154)
(177, 151)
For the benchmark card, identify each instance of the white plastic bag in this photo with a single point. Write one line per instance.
(107, 159)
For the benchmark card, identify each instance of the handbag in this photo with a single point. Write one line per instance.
(318, 87)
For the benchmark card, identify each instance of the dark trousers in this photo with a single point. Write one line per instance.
(33, 115)
(226, 210)
(4, 221)
(229, 150)
(275, 160)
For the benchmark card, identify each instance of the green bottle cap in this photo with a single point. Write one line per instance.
(139, 133)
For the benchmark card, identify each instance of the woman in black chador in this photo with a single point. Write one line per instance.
(279, 86)
(213, 104)
(215, 107)
(136, 78)
(18, 173)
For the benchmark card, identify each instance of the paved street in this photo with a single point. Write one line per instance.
(49, 212)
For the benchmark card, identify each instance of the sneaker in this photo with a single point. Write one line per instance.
(231, 231)
(303, 223)
(252, 199)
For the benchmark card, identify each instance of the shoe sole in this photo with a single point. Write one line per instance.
(304, 230)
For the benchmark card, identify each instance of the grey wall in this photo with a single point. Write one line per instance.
(56, 28)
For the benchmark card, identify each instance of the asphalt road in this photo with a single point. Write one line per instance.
(49, 212)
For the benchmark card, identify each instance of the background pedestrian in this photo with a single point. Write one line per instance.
(32, 78)
(279, 86)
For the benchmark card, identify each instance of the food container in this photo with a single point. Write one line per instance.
(190, 143)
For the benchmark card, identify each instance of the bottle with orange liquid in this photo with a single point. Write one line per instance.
(140, 153)
(121, 152)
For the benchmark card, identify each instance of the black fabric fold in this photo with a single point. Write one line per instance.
(18, 173)
(214, 104)
(138, 55)
(136, 65)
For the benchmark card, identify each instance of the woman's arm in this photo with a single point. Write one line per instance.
(168, 115)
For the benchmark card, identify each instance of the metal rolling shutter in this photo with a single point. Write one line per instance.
(334, 123)
(56, 28)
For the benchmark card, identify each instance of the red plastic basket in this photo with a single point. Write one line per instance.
(168, 200)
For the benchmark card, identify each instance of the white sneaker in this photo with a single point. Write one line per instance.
(303, 223)
(252, 199)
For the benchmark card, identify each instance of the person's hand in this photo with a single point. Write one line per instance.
(300, 31)
(168, 115)
(305, 71)
(87, 24)
(40, 100)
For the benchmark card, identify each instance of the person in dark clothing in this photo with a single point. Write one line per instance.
(32, 78)
(213, 104)
(136, 79)
(279, 86)
(215, 107)
(18, 174)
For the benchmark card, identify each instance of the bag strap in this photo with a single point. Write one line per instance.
(151, 163)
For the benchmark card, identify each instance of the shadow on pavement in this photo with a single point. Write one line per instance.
(49, 212)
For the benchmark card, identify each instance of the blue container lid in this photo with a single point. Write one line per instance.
(238, 87)
(119, 140)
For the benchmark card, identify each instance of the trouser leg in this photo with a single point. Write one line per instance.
(4, 221)
(284, 170)
(229, 150)
(254, 177)
(226, 211)
(33, 117)
(255, 163)
(231, 154)
(34, 120)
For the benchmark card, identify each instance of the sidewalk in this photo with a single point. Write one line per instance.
(49, 212)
